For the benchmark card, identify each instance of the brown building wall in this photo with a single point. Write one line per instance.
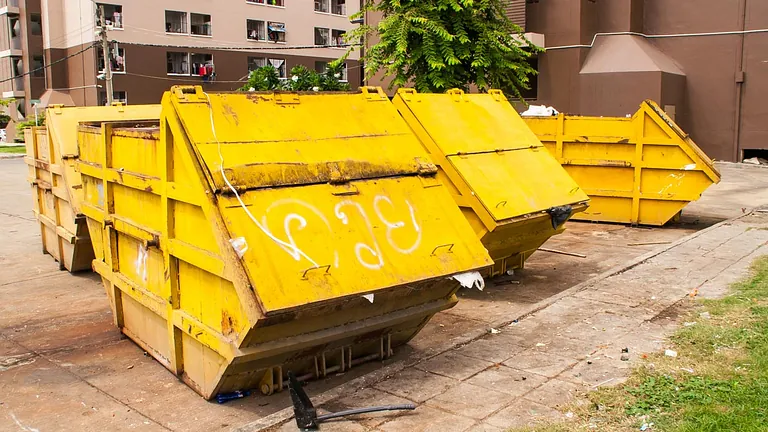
(600, 91)
(706, 98)
(754, 107)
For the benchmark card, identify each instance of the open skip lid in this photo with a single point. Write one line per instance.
(335, 196)
(490, 147)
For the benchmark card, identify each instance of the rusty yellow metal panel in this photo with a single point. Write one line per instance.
(638, 170)
(56, 184)
(508, 185)
(244, 235)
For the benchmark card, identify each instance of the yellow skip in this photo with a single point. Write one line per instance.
(513, 192)
(246, 235)
(638, 170)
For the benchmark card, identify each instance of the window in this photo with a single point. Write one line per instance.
(267, 2)
(322, 6)
(276, 31)
(178, 63)
(257, 30)
(279, 64)
(337, 37)
(200, 63)
(338, 7)
(17, 67)
(117, 96)
(344, 76)
(255, 63)
(116, 60)
(37, 70)
(201, 24)
(176, 22)
(36, 24)
(113, 14)
(15, 25)
(322, 36)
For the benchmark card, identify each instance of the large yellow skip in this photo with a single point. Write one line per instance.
(513, 192)
(246, 235)
(56, 185)
(638, 170)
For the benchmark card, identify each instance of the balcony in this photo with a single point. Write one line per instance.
(14, 88)
(9, 7)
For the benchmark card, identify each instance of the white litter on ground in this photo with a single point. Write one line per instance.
(470, 279)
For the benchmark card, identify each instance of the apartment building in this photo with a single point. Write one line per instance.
(21, 50)
(214, 43)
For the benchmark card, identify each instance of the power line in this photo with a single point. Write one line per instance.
(49, 65)
(242, 80)
(239, 48)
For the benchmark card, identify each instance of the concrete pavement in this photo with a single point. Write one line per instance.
(64, 366)
(525, 371)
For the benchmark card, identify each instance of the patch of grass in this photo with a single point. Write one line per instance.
(13, 149)
(718, 382)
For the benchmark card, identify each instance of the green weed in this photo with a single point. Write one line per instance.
(728, 389)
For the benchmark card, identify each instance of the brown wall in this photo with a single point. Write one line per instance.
(754, 108)
(705, 100)
(599, 92)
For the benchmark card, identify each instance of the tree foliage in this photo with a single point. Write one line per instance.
(266, 78)
(436, 45)
(28, 123)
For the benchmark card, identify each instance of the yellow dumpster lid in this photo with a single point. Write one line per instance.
(295, 145)
(328, 207)
(492, 149)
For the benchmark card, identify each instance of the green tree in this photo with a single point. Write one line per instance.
(436, 45)
(28, 123)
(266, 78)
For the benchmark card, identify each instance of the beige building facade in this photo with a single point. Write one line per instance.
(160, 43)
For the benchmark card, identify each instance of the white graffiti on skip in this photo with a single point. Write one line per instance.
(376, 250)
(368, 252)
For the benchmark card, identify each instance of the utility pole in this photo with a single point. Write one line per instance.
(105, 50)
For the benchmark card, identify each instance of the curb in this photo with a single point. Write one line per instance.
(11, 156)
(385, 372)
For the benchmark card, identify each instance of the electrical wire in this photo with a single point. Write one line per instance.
(660, 36)
(295, 249)
(49, 64)
(166, 78)
(240, 48)
(63, 38)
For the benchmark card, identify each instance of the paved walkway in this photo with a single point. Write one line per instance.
(529, 369)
